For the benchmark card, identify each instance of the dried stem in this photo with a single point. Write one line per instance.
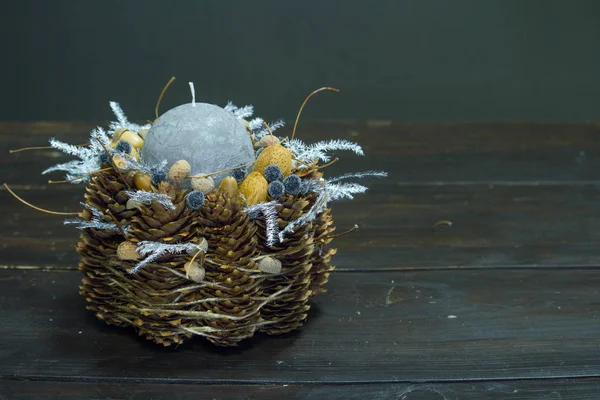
(37, 208)
(116, 223)
(39, 148)
(221, 171)
(303, 104)
(161, 95)
(82, 176)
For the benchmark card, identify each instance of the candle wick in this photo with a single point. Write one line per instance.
(193, 94)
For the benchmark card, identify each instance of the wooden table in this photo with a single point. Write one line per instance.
(500, 301)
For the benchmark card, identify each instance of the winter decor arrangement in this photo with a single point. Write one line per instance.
(204, 222)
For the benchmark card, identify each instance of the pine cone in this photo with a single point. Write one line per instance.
(232, 244)
(288, 311)
(321, 258)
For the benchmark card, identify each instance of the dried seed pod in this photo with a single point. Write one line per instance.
(179, 171)
(133, 139)
(229, 185)
(203, 183)
(142, 181)
(254, 188)
(274, 154)
(195, 200)
(203, 244)
(117, 135)
(245, 124)
(270, 265)
(194, 271)
(267, 141)
(131, 204)
(128, 251)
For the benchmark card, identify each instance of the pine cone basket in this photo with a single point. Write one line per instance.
(204, 224)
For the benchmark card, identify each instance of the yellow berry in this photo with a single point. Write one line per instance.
(274, 154)
(254, 188)
(142, 181)
(229, 185)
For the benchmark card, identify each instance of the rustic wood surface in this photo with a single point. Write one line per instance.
(502, 303)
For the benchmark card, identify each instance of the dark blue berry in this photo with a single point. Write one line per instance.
(292, 184)
(272, 173)
(276, 189)
(103, 158)
(123, 147)
(195, 199)
(239, 174)
(159, 176)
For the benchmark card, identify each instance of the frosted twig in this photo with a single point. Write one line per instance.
(270, 213)
(88, 156)
(152, 251)
(263, 131)
(318, 151)
(365, 174)
(239, 112)
(122, 121)
(147, 198)
(97, 221)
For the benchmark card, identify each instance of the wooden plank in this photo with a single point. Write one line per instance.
(403, 327)
(414, 153)
(547, 389)
(506, 225)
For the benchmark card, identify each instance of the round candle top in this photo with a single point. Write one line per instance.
(205, 135)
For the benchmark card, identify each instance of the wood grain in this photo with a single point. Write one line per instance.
(370, 327)
(505, 225)
(417, 154)
(573, 389)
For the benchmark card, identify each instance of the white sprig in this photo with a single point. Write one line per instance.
(327, 192)
(240, 112)
(270, 214)
(318, 151)
(147, 198)
(256, 123)
(365, 174)
(122, 121)
(263, 131)
(152, 251)
(97, 221)
(88, 156)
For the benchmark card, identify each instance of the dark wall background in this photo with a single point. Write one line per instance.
(415, 60)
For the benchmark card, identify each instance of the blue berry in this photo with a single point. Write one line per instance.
(195, 199)
(103, 158)
(239, 174)
(292, 184)
(276, 189)
(272, 173)
(123, 147)
(158, 175)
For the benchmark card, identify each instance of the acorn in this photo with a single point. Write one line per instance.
(194, 271)
(203, 183)
(142, 181)
(119, 162)
(229, 185)
(270, 265)
(254, 188)
(179, 171)
(128, 251)
(274, 154)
